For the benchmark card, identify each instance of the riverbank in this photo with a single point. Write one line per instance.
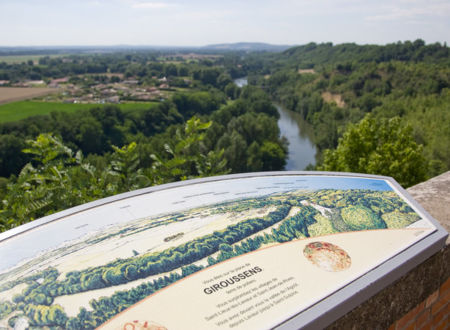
(301, 149)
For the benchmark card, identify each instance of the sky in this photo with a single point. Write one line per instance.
(204, 22)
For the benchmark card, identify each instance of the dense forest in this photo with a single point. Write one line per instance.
(373, 109)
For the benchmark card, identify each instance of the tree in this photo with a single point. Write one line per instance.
(125, 167)
(41, 189)
(186, 156)
(11, 157)
(91, 138)
(379, 146)
(231, 90)
(272, 156)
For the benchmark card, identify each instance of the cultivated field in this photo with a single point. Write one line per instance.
(11, 94)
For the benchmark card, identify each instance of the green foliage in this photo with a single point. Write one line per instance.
(124, 167)
(41, 189)
(187, 155)
(93, 131)
(382, 147)
(6, 308)
(429, 116)
(46, 315)
(58, 179)
(313, 54)
(197, 103)
(11, 156)
(399, 219)
(361, 218)
(247, 131)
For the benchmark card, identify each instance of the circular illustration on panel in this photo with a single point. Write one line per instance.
(327, 256)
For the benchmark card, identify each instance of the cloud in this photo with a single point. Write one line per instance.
(411, 11)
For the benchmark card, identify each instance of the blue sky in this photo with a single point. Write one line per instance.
(202, 22)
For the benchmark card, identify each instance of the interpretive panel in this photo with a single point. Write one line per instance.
(235, 252)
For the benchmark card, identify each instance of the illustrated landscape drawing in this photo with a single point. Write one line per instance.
(110, 257)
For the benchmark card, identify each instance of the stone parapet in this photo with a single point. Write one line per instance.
(434, 196)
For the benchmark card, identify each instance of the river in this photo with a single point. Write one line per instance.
(301, 151)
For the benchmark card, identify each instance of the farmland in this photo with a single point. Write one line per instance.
(23, 109)
(11, 94)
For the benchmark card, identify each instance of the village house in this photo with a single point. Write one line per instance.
(55, 82)
(113, 99)
(131, 82)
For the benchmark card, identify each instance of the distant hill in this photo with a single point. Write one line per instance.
(313, 54)
(47, 50)
(248, 46)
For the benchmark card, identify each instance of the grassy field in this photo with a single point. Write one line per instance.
(23, 109)
(136, 106)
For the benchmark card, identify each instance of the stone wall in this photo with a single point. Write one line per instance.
(419, 299)
(431, 313)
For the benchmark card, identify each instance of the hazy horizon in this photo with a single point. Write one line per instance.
(179, 23)
(187, 47)
(140, 45)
